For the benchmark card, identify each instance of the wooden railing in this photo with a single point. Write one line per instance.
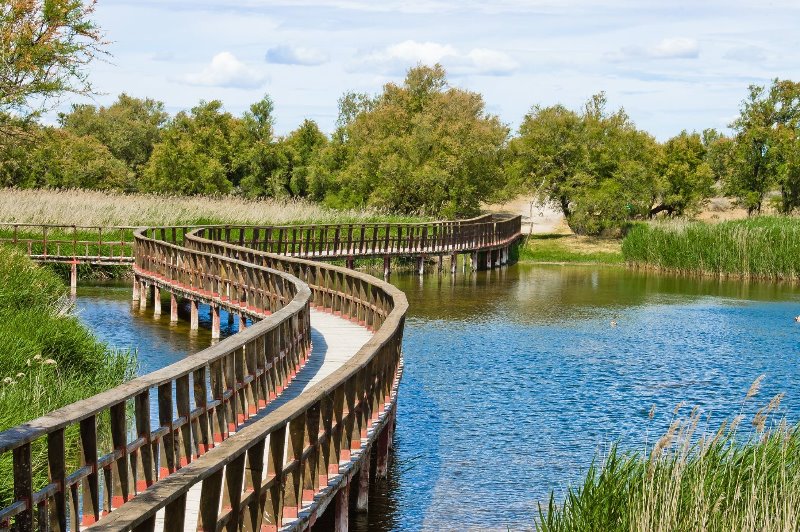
(134, 462)
(67, 243)
(154, 460)
(322, 241)
(125, 446)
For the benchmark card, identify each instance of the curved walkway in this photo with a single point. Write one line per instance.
(335, 341)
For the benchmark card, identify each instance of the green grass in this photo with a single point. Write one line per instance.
(763, 247)
(569, 248)
(48, 358)
(689, 481)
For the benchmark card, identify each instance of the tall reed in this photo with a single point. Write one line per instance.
(94, 208)
(763, 247)
(691, 480)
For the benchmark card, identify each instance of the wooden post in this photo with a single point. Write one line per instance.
(441, 263)
(136, 287)
(194, 322)
(384, 443)
(474, 260)
(242, 322)
(173, 308)
(214, 322)
(489, 259)
(421, 265)
(73, 278)
(342, 516)
(350, 262)
(156, 301)
(453, 263)
(387, 266)
(362, 501)
(143, 293)
(497, 257)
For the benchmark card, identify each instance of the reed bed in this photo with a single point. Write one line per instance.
(691, 480)
(48, 359)
(94, 208)
(759, 248)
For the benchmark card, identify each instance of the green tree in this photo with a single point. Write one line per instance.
(196, 153)
(61, 159)
(762, 154)
(596, 166)
(258, 154)
(129, 127)
(45, 46)
(685, 178)
(417, 147)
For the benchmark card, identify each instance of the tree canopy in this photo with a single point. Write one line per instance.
(421, 146)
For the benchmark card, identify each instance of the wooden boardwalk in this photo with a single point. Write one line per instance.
(267, 429)
(335, 341)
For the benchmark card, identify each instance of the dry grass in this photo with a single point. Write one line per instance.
(93, 208)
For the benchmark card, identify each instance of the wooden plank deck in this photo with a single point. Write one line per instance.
(335, 340)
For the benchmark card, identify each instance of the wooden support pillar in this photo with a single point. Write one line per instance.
(136, 287)
(382, 456)
(341, 518)
(473, 260)
(73, 278)
(421, 265)
(194, 321)
(362, 501)
(215, 325)
(441, 263)
(143, 295)
(230, 319)
(453, 263)
(242, 322)
(156, 301)
(497, 260)
(350, 262)
(489, 259)
(387, 266)
(173, 308)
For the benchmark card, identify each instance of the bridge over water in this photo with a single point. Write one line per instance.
(271, 428)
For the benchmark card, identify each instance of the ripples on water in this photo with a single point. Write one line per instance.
(514, 381)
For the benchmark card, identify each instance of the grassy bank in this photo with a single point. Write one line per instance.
(48, 359)
(570, 248)
(689, 481)
(92, 208)
(764, 247)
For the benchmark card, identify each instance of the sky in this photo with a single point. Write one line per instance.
(672, 65)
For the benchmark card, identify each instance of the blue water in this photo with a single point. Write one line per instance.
(515, 380)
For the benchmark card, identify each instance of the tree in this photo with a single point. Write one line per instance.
(130, 127)
(61, 159)
(45, 46)
(761, 156)
(417, 147)
(596, 166)
(685, 178)
(257, 155)
(196, 153)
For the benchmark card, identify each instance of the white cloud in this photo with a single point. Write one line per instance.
(672, 48)
(679, 47)
(225, 70)
(295, 55)
(398, 57)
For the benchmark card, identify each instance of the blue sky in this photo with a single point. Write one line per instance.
(672, 65)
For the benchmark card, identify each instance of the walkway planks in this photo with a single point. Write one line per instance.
(335, 341)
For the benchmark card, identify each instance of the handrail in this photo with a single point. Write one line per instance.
(200, 399)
